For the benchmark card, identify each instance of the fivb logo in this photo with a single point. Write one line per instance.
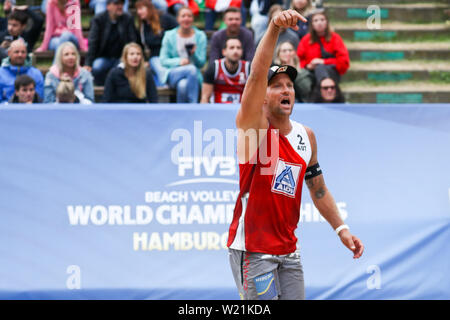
(285, 180)
(210, 153)
(204, 153)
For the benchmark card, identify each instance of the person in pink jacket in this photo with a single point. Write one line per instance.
(63, 23)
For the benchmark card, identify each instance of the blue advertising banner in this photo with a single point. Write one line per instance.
(134, 202)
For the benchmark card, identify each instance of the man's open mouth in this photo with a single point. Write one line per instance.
(285, 102)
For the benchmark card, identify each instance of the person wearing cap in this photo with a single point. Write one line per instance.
(275, 154)
(109, 32)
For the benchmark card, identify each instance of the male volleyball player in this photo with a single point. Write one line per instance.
(262, 243)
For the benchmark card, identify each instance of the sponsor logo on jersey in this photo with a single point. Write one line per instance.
(285, 180)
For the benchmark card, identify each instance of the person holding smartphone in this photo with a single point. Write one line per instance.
(183, 53)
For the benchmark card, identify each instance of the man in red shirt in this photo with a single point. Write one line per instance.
(262, 244)
(226, 77)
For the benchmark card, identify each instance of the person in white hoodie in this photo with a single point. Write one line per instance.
(67, 62)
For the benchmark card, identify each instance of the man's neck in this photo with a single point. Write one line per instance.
(231, 33)
(113, 17)
(283, 124)
(231, 66)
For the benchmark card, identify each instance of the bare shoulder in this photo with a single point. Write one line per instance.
(311, 135)
(313, 141)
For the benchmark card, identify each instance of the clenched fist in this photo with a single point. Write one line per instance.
(288, 19)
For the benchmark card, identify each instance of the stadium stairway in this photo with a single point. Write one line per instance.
(405, 58)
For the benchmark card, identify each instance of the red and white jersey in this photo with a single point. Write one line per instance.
(228, 88)
(222, 5)
(267, 210)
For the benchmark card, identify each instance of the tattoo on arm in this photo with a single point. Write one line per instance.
(320, 193)
(317, 186)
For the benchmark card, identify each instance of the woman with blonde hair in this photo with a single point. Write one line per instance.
(67, 62)
(130, 81)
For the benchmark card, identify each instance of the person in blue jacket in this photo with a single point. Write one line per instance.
(183, 54)
(17, 64)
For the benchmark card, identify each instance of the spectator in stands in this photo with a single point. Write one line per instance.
(285, 55)
(15, 65)
(18, 19)
(3, 20)
(110, 31)
(183, 52)
(67, 63)
(322, 51)
(245, 8)
(130, 81)
(25, 91)
(285, 34)
(175, 5)
(213, 7)
(152, 25)
(63, 23)
(327, 91)
(259, 21)
(305, 8)
(226, 77)
(232, 19)
(99, 6)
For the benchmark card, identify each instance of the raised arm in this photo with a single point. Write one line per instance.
(324, 201)
(250, 115)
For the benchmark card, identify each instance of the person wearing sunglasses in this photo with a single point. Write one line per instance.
(327, 91)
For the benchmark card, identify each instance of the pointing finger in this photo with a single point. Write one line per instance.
(290, 18)
(298, 16)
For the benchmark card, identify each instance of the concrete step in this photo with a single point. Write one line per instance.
(392, 31)
(385, 51)
(407, 92)
(413, 13)
(394, 71)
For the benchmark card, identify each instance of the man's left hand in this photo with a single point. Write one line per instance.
(352, 242)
